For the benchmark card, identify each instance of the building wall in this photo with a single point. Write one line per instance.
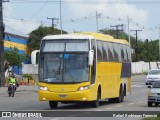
(20, 42)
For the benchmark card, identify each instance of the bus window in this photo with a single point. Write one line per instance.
(99, 51)
(105, 51)
(110, 52)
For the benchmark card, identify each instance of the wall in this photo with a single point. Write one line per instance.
(143, 67)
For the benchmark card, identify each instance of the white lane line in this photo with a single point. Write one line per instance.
(118, 106)
(130, 103)
(56, 118)
(138, 85)
(140, 101)
(109, 108)
(98, 110)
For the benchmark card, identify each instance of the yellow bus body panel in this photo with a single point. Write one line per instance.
(108, 76)
(65, 92)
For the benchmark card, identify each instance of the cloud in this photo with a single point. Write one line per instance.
(15, 25)
(115, 11)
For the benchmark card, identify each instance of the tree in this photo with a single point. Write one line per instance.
(36, 35)
(15, 59)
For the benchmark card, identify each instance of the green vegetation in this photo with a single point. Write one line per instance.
(28, 76)
(14, 58)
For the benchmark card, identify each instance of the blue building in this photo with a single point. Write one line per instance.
(20, 42)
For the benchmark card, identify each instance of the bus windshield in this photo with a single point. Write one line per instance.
(64, 68)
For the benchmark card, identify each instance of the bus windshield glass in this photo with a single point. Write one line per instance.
(64, 68)
(65, 45)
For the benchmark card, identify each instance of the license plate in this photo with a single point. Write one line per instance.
(62, 95)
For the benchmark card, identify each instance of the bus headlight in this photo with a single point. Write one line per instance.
(43, 88)
(83, 88)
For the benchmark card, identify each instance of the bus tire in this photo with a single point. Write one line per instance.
(95, 103)
(121, 96)
(53, 104)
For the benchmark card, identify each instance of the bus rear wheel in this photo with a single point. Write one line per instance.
(121, 96)
(53, 104)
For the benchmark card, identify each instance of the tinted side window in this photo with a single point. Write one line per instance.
(105, 51)
(99, 50)
(115, 47)
(93, 47)
(122, 53)
(110, 52)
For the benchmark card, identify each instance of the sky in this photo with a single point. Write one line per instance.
(23, 16)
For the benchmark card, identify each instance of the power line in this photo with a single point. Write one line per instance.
(91, 2)
(39, 9)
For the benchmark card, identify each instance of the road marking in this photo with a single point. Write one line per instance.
(109, 108)
(119, 106)
(140, 101)
(138, 85)
(98, 110)
(130, 103)
(56, 118)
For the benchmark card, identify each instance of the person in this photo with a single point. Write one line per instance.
(11, 81)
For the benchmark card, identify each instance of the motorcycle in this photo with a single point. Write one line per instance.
(11, 89)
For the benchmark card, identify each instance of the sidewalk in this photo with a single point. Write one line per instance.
(21, 88)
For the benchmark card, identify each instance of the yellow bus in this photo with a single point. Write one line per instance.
(83, 67)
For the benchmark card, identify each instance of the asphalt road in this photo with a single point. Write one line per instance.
(27, 100)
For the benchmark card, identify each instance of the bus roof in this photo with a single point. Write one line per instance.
(86, 35)
(103, 37)
(67, 36)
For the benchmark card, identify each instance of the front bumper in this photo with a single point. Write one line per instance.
(154, 99)
(69, 96)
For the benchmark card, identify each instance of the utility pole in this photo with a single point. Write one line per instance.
(98, 15)
(148, 53)
(136, 43)
(129, 38)
(2, 77)
(53, 20)
(159, 41)
(61, 16)
(117, 29)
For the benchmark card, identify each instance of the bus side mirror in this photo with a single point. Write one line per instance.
(34, 56)
(90, 56)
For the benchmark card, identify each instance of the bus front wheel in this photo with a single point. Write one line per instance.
(53, 104)
(96, 102)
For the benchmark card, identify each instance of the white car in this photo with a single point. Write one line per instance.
(152, 76)
(154, 94)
